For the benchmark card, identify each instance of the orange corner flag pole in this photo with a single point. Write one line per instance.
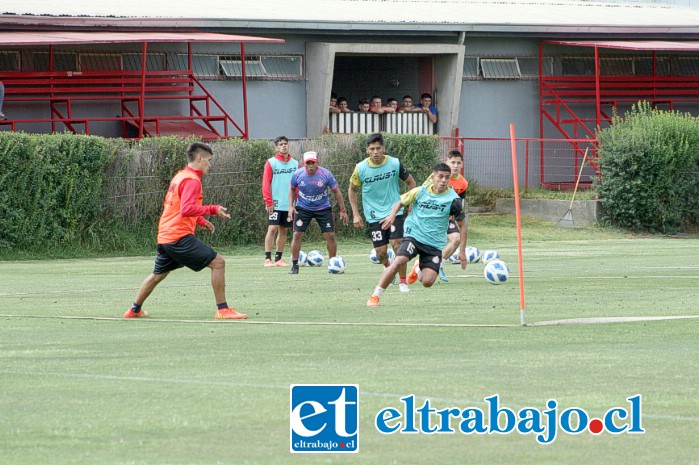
(515, 176)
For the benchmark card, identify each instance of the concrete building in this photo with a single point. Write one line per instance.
(479, 59)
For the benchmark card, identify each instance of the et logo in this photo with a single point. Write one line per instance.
(324, 418)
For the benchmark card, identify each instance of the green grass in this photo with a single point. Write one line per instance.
(180, 388)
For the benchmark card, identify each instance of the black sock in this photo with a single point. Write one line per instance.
(222, 305)
(268, 255)
(295, 263)
(136, 307)
(278, 256)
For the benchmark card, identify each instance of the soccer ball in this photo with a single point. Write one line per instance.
(473, 254)
(337, 265)
(489, 255)
(496, 271)
(302, 258)
(454, 258)
(315, 258)
(375, 259)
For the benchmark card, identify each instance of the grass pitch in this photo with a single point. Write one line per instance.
(79, 385)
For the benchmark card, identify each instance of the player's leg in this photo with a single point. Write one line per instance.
(300, 222)
(272, 230)
(406, 251)
(396, 236)
(218, 283)
(164, 263)
(430, 261)
(453, 238)
(326, 222)
(281, 242)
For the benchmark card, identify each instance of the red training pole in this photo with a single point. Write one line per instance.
(515, 176)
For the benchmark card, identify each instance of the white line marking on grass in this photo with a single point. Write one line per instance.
(235, 384)
(611, 319)
(287, 323)
(572, 321)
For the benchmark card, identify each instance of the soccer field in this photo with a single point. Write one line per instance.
(79, 385)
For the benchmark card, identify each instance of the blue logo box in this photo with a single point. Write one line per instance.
(324, 418)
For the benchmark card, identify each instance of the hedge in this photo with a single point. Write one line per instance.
(87, 193)
(649, 161)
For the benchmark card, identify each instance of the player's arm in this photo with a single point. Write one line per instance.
(406, 199)
(292, 199)
(354, 184)
(457, 210)
(267, 188)
(405, 175)
(190, 189)
(341, 203)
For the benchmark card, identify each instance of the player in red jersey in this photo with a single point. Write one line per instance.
(177, 245)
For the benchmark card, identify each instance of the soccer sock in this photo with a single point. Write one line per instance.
(277, 256)
(295, 263)
(403, 280)
(268, 255)
(378, 292)
(136, 307)
(222, 305)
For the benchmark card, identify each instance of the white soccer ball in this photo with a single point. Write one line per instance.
(496, 271)
(473, 254)
(454, 258)
(391, 255)
(315, 258)
(489, 255)
(302, 258)
(337, 265)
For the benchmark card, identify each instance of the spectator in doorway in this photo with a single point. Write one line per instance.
(364, 105)
(333, 103)
(426, 107)
(343, 105)
(377, 106)
(392, 103)
(408, 106)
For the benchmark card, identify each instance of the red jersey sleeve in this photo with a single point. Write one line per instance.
(190, 189)
(267, 184)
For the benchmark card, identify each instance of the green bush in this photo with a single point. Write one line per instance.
(83, 193)
(650, 170)
(50, 189)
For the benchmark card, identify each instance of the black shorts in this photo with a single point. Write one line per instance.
(188, 251)
(381, 237)
(279, 218)
(325, 219)
(429, 256)
(453, 228)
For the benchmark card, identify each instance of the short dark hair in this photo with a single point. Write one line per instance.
(391, 99)
(455, 154)
(363, 100)
(441, 167)
(376, 137)
(279, 139)
(333, 95)
(196, 148)
(407, 96)
(425, 95)
(375, 96)
(342, 99)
